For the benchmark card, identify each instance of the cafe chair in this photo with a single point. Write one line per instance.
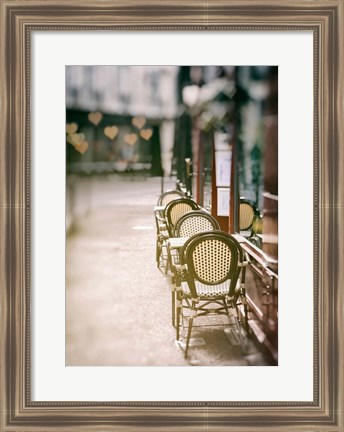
(195, 222)
(169, 196)
(189, 224)
(211, 263)
(159, 213)
(175, 210)
(257, 228)
(248, 215)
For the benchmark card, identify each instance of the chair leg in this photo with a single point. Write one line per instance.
(173, 306)
(158, 252)
(245, 311)
(164, 258)
(246, 316)
(168, 260)
(188, 337)
(228, 309)
(178, 311)
(241, 338)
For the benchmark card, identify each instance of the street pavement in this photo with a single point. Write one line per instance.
(118, 303)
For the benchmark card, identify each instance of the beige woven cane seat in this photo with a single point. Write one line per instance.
(204, 290)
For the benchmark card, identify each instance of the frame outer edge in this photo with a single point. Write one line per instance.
(13, 209)
(339, 311)
(331, 221)
(5, 304)
(3, 298)
(324, 183)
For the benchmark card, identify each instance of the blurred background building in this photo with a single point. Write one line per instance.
(125, 112)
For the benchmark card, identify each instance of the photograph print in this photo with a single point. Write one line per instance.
(171, 215)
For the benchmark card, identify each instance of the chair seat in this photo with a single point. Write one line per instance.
(204, 290)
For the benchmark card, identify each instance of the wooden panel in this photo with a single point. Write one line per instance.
(270, 227)
(262, 296)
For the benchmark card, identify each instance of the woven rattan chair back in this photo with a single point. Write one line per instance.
(212, 258)
(176, 209)
(195, 222)
(169, 196)
(248, 213)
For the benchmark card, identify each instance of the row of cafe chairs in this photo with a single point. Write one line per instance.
(207, 265)
(188, 225)
(166, 216)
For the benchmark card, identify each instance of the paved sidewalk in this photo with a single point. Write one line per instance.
(118, 304)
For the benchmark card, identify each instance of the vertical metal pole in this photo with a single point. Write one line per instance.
(162, 182)
(235, 182)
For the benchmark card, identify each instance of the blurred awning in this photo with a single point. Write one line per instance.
(211, 103)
